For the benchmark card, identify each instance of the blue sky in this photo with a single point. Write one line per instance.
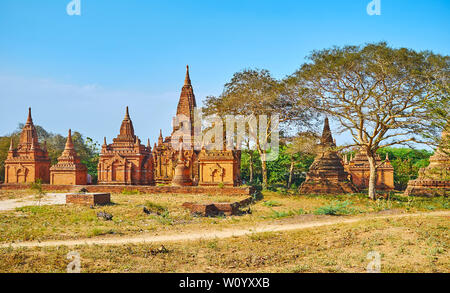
(80, 72)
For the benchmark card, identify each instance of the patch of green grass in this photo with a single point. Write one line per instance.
(155, 208)
(130, 192)
(272, 203)
(99, 232)
(285, 214)
(336, 208)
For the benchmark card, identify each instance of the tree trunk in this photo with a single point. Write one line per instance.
(264, 171)
(251, 165)
(373, 176)
(291, 173)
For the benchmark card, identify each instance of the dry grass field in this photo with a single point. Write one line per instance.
(419, 244)
(411, 244)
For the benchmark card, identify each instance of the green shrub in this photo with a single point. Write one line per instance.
(335, 208)
(130, 192)
(155, 208)
(272, 203)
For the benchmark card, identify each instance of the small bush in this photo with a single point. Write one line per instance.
(335, 208)
(155, 208)
(272, 203)
(130, 192)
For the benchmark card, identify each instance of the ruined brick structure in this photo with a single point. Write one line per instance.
(28, 162)
(126, 161)
(326, 174)
(433, 180)
(68, 170)
(359, 169)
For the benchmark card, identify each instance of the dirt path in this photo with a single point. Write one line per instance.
(190, 236)
(48, 199)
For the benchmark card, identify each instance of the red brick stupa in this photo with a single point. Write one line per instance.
(326, 174)
(69, 170)
(433, 180)
(28, 162)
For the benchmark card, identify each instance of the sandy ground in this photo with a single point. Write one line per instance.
(194, 235)
(48, 199)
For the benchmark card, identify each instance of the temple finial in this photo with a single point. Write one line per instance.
(127, 114)
(69, 142)
(387, 156)
(327, 137)
(11, 145)
(104, 141)
(187, 80)
(148, 143)
(29, 119)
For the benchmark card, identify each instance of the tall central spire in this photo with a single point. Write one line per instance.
(327, 137)
(69, 142)
(187, 80)
(187, 103)
(127, 129)
(29, 119)
(29, 136)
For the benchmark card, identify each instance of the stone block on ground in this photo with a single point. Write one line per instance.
(89, 198)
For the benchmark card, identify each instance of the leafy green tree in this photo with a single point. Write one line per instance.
(256, 92)
(380, 95)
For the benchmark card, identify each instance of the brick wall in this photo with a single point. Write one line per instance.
(141, 189)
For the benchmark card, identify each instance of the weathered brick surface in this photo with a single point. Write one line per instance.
(89, 198)
(141, 189)
(213, 209)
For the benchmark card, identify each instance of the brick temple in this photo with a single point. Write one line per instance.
(359, 169)
(205, 167)
(433, 180)
(126, 161)
(326, 174)
(68, 170)
(29, 161)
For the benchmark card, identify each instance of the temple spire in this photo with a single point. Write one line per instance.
(127, 129)
(29, 119)
(160, 138)
(69, 142)
(327, 137)
(187, 80)
(127, 114)
(11, 145)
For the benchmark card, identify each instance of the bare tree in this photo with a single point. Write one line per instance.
(377, 93)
